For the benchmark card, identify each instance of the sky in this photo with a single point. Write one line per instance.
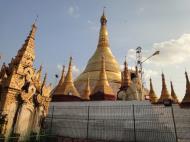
(71, 27)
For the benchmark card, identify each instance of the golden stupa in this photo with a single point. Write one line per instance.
(93, 67)
(164, 93)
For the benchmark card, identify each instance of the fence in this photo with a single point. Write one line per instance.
(123, 123)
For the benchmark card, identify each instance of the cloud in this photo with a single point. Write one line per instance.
(140, 10)
(129, 67)
(149, 73)
(59, 67)
(174, 51)
(73, 11)
(75, 70)
(92, 25)
(131, 54)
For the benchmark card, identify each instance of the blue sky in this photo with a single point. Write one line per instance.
(71, 27)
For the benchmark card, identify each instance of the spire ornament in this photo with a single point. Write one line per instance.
(102, 85)
(103, 19)
(186, 99)
(39, 73)
(152, 95)
(68, 87)
(59, 88)
(164, 93)
(173, 94)
(87, 91)
(126, 78)
(61, 81)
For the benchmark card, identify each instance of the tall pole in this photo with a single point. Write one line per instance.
(51, 124)
(140, 66)
(134, 124)
(88, 111)
(174, 123)
(140, 69)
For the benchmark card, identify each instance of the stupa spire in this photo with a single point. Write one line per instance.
(136, 71)
(103, 85)
(126, 80)
(152, 95)
(44, 81)
(68, 85)
(173, 94)
(103, 35)
(39, 73)
(62, 76)
(69, 77)
(3, 71)
(103, 19)
(32, 32)
(186, 99)
(87, 91)
(59, 88)
(164, 94)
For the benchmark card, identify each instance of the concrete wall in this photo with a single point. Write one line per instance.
(118, 121)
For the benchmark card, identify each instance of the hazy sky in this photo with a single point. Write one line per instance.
(71, 27)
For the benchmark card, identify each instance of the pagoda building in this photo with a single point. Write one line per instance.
(102, 90)
(186, 100)
(165, 96)
(65, 90)
(152, 95)
(93, 67)
(24, 97)
(173, 94)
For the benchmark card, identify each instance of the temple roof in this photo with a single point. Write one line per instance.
(26, 55)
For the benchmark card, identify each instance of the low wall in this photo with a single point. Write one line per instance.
(119, 121)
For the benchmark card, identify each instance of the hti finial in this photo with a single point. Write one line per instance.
(70, 61)
(36, 19)
(63, 67)
(104, 11)
(185, 70)
(103, 19)
(126, 58)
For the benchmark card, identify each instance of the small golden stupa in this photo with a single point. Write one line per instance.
(152, 95)
(87, 91)
(164, 94)
(186, 99)
(65, 90)
(102, 90)
(173, 94)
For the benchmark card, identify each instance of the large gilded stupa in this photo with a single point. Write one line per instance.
(93, 67)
